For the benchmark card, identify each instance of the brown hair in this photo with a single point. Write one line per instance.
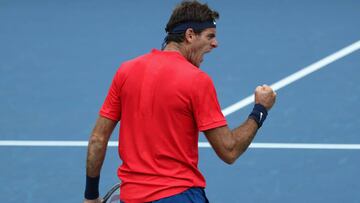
(188, 11)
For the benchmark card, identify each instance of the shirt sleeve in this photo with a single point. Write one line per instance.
(205, 104)
(112, 105)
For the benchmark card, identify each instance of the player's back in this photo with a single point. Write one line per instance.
(158, 133)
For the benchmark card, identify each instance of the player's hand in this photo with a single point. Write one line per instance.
(265, 96)
(98, 200)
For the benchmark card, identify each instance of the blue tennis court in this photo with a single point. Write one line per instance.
(57, 59)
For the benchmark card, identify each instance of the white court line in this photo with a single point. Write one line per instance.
(231, 109)
(42, 143)
(296, 76)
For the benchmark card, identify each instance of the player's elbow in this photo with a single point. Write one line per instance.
(97, 138)
(226, 156)
(229, 156)
(229, 160)
(232, 153)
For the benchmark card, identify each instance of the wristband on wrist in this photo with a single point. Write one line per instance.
(92, 187)
(258, 114)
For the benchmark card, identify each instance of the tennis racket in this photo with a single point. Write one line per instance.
(113, 195)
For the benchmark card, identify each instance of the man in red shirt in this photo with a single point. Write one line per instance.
(163, 100)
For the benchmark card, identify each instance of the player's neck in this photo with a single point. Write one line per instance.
(177, 47)
(182, 48)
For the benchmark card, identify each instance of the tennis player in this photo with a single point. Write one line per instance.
(163, 100)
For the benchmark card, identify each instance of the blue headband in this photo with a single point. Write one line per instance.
(196, 25)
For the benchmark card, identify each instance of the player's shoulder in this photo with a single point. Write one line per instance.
(203, 79)
(202, 75)
(135, 60)
(126, 66)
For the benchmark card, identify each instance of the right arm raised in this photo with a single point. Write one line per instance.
(230, 144)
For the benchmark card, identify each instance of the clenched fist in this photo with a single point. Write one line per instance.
(265, 96)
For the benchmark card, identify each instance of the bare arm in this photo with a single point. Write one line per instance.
(98, 145)
(97, 149)
(230, 144)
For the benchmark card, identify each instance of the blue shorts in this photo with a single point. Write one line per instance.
(191, 195)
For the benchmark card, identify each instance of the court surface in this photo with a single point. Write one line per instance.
(57, 59)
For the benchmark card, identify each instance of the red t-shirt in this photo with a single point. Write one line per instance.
(163, 101)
